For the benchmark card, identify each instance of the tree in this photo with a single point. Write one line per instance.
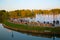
(3, 15)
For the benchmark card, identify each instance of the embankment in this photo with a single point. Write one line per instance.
(28, 29)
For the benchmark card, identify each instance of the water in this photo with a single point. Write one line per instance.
(7, 34)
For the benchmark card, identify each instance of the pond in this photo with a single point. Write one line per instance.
(7, 34)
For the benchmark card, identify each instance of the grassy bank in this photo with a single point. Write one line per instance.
(26, 27)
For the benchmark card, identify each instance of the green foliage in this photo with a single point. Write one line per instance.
(3, 15)
(26, 27)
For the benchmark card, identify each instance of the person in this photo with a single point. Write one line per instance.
(44, 22)
(54, 22)
(57, 22)
(47, 22)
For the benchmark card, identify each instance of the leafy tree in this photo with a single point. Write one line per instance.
(3, 15)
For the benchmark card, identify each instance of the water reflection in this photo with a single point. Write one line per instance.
(8, 34)
(53, 35)
(11, 31)
(12, 35)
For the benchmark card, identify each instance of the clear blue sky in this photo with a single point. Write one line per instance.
(29, 4)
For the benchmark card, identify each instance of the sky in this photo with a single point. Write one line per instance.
(28, 4)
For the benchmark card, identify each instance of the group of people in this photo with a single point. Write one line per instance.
(23, 21)
(53, 23)
(56, 22)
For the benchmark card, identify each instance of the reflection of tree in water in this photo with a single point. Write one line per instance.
(12, 34)
(53, 35)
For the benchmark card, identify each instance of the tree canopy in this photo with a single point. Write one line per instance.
(26, 13)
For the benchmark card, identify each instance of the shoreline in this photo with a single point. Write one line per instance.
(29, 31)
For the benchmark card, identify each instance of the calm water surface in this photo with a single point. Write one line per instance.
(7, 34)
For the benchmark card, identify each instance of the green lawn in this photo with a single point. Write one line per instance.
(26, 27)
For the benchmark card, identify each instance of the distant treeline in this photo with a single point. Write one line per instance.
(25, 13)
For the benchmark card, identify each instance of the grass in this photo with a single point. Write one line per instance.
(26, 27)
